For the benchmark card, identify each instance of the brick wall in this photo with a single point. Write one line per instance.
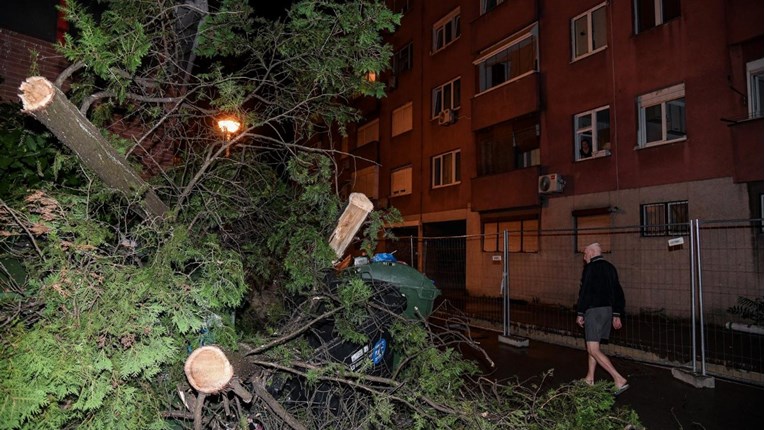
(16, 62)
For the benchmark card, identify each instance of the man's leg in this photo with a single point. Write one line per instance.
(591, 364)
(593, 349)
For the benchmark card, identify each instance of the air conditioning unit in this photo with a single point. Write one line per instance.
(552, 183)
(446, 117)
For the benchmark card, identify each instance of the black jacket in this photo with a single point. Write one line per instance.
(600, 287)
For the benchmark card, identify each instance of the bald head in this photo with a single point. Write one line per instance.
(592, 250)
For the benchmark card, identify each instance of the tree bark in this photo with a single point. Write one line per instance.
(46, 103)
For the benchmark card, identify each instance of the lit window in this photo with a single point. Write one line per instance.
(369, 132)
(755, 88)
(402, 119)
(522, 235)
(401, 181)
(489, 5)
(662, 116)
(651, 13)
(513, 59)
(447, 96)
(664, 219)
(592, 134)
(446, 169)
(588, 31)
(593, 228)
(446, 30)
(366, 181)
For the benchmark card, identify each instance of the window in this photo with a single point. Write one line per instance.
(511, 60)
(592, 134)
(588, 32)
(650, 13)
(402, 59)
(664, 219)
(754, 88)
(446, 169)
(593, 227)
(447, 96)
(365, 181)
(522, 235)
(401, 6)
(507, 146)
(369, 132)
(489, 5)
(402, 119)
(662, 116)
(446, 31)
(401, 181)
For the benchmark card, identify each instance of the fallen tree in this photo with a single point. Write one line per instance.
(112, 306)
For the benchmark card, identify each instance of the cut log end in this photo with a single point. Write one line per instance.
(36, 93)
(208, 370)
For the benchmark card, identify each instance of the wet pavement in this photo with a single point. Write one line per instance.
(660, 400)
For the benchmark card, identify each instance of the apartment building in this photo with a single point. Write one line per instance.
(532, 115)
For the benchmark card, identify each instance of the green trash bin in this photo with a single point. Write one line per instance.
(419, 290)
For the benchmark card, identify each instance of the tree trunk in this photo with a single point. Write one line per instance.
(50, 106)
(354, 215)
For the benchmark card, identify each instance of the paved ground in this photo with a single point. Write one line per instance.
(661, 401)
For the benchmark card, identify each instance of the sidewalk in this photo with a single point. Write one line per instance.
(661, 401)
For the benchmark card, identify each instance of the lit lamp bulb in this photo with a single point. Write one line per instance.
(371, 76)
(228, 126)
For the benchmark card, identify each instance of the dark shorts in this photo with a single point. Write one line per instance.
(597, 324)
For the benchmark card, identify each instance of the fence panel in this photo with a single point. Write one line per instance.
(731, 283)
(655, 274)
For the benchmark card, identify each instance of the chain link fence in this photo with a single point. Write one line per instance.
(694, 297)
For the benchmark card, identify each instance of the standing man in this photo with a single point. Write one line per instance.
(601, 305)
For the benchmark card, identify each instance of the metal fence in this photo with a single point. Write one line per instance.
(680, 290)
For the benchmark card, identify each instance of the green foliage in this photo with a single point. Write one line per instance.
(111, 329)
(354, 296)
(29, 156)
(578, 406)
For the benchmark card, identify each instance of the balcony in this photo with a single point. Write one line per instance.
(517, 188)
(509, 100)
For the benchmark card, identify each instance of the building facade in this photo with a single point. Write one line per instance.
(536, 115)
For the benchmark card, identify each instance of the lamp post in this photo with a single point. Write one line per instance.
(228, 126)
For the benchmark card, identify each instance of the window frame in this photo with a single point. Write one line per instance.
(394, 132)
(485, 6)
(408, 188)
(455, 166)
(660, 98)
(441, 25)
(754, 88)
(440, 90)
(659, 12)
(594, 134)
(397, 68)
(670, 227)
(516, 236)
(530, 32)
(590, 40)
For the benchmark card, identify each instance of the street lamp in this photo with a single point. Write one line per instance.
(228, 126)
